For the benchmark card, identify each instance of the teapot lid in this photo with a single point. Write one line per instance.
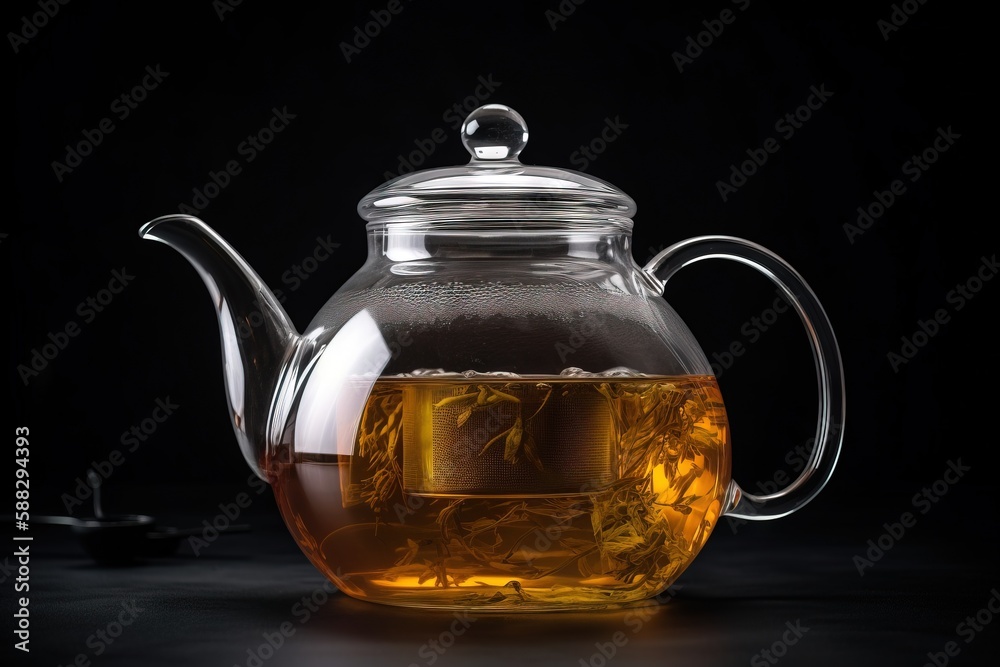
(494, 185)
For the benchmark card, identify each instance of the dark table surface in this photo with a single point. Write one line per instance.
(747, 592)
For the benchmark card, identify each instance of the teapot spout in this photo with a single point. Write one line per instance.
(257, 336)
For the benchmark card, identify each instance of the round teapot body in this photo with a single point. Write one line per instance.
(495, 420)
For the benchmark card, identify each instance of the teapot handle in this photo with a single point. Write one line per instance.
(829, 368)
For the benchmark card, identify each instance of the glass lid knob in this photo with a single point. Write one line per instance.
(494, 132)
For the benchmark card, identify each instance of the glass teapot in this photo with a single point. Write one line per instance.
(498, 411)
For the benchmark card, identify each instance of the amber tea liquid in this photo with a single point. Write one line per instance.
(528, 492)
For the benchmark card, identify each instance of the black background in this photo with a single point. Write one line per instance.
(682, 131)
